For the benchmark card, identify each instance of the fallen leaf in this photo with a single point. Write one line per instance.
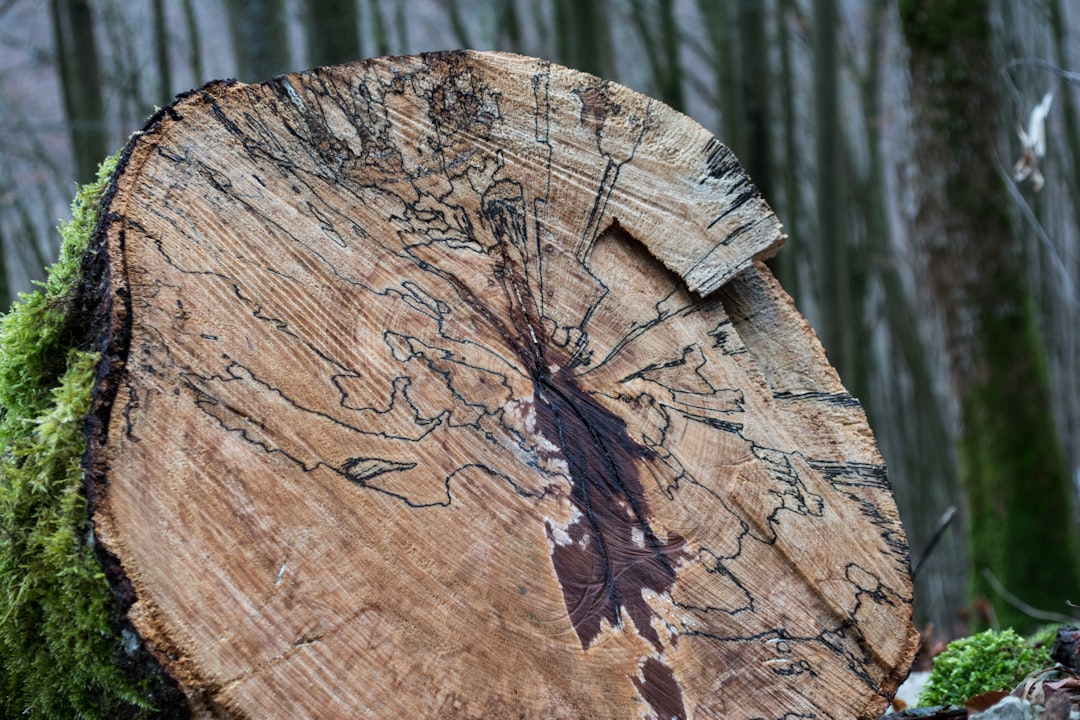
(985, 701)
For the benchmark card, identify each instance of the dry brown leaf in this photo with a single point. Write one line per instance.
(985, 701)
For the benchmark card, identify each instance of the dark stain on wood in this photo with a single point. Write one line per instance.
(661, 690)
(613, 554)
(594, 102)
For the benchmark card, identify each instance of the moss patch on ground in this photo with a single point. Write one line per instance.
(58, 616)
(988, 661)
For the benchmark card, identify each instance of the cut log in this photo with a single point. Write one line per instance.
(453, 386)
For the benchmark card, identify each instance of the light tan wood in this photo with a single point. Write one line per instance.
(452, 386)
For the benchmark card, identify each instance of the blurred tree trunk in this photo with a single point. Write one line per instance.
(508, 28)
(839, 304)
(582, 39)
(659, 35)
(1058, 26)
(721, 27)
(382, 37)
(786, 263)
(332, 28)
(756, 88)
(1069, 312)
(80, 81)
(401, 25)
(194, 42)
(1012, 464)
(260, 40)
(161, 54)
(906, 413)
(5, 290)
(458, 26)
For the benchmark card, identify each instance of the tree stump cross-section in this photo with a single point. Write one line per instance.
(453, 386)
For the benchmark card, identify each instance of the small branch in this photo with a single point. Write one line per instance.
(939, 530)
(1023, 606)
(1058, 262)
(1071, 77)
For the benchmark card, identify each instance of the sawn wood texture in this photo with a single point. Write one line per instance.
(453, 386)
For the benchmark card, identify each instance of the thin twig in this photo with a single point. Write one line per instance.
(1051, 250)
(1065, 74)
(939, 530)
(1023, 606)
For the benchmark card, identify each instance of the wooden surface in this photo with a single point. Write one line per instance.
(451, 386)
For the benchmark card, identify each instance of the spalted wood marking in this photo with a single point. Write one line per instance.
(452, 386)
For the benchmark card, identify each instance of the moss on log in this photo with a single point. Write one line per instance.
(66, 650)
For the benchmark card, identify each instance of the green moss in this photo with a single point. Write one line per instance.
(58, 647)
(974, 665)
(1043, 637)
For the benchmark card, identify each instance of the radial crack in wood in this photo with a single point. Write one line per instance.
(452, 386)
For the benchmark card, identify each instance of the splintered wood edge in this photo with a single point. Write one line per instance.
(684, 192)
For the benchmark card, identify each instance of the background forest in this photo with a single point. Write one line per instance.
(883, 132)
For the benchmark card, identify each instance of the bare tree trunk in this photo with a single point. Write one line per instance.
(5, 290)
(80, 81)
(1067, 273)
(582, 37)
(509, 25)
(194, 40)
(458, 26)
(909, 419)
(787, 263)
(161, 54)
(1012, 465)
(835, 288)
(659, 33)
(401, 24)
(721, 25)
(260, 40)
(756, 89)
(333, 31)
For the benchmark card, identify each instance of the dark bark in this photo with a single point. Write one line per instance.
(1066, 648)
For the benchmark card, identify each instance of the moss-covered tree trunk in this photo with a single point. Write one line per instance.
(1012, 465)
